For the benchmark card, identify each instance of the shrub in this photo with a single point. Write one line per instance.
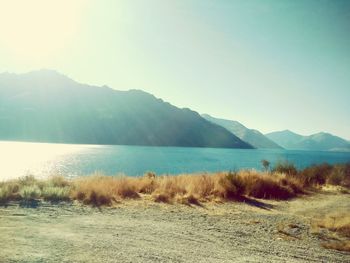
(285, 167)
(55, 193)
(103, 190)
(161, 198)
(5, 195)
(146, 185)
(98, 199)
(187, 200)
(316, 174)
(230, 186)
(267, 186)
(172, 185)
(201, 185)
(125, 188)
(30, 192)
(27, 180)
(265, 164)
(58, 181)
(340, 175)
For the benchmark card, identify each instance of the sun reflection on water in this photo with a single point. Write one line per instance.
(39, 159)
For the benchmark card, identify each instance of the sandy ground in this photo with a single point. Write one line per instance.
(142, 231)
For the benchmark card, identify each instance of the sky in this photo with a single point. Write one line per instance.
(271, 65)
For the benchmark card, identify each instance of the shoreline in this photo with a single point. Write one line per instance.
(280, 215)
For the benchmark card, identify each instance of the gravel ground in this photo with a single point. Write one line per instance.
(142, 231)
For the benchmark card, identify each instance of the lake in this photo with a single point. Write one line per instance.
(44, 159)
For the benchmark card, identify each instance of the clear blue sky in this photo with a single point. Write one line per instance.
(271, 65)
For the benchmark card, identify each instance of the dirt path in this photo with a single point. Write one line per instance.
(149, 232)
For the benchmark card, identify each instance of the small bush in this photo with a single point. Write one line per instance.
(146, 185)
(55, 193)
(285, 167)
(161, 198)
(27, 180)
(30, 192)
(98, 199)
(187, 200)
(58, 181)
(229, 186)
(340, 175)
(5, 195)
(150, 175)
(125, 188)
(267, 186)
(316, 174)
(265, 164)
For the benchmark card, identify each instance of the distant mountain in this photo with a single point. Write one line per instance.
(46, 106)
(253, 137)
(318, 142)
(286, 138)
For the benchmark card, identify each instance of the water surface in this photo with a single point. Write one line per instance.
(44, 159)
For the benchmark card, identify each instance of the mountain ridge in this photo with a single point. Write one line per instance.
(46, 106)
(252, 136)
(321, 141)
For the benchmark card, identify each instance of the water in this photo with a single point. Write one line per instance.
(43, 159)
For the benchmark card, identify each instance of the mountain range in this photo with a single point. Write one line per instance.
(46, 106)
(317, 142)
(251, 136)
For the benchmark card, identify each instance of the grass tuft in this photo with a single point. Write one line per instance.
(55, 193)
(30, 192)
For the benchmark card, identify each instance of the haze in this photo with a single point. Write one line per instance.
(271, 65)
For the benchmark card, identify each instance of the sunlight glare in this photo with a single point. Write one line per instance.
(39, 159)
(39, 28)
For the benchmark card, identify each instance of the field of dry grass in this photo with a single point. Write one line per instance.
(282, 183)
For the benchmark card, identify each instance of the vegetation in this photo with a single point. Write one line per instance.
(339, 226)
(283, 182)
(285, 167)
(265, 164)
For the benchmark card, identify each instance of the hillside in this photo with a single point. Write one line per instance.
(253, 137)
(46, 106)
(316, 142)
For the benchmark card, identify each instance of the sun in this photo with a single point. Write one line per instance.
(38, 28)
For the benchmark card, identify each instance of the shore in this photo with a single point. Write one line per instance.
(144, 231)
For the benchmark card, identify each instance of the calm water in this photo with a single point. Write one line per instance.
(42, 159)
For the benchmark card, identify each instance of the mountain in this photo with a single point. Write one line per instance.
(46, 106)
(286, 138)
(317, 142)
(253, 137)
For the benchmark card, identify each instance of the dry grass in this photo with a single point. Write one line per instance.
(281, 184)
(339, 226)
(103, 190)
(339, 223)
(338, 245)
